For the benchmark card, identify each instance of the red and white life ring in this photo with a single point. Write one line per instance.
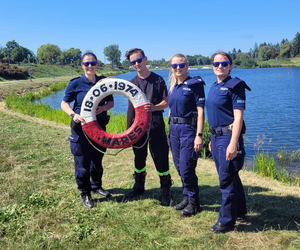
(91, 100)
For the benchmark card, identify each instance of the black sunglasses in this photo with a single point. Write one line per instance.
(181, 65)
(224, 64)
(93, 63)
(137, 61)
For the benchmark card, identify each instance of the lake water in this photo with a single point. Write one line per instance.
(272, 107)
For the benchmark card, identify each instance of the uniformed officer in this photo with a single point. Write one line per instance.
(155, 89)
(186, 114)
(87, 159)
(225, 106)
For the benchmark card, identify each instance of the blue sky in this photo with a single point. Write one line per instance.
(161, 28)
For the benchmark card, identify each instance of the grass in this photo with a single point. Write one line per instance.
(41, 208)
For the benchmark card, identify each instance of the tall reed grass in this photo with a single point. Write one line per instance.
(271, 165)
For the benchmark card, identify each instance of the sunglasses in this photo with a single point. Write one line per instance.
(93, 63)
(137, 61)
(181, 65)
(224, 64)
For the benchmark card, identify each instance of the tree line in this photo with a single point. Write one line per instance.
(52, 54)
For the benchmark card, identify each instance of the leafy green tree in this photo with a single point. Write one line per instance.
(47, 53)
(113, 55)
(285, 50)
(70, 56)
(1, 52)
(264, 53)
(11, 45)
(20, 54)
(296, 45)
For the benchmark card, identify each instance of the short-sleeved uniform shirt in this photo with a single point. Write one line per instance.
(222, 100)
(155, 89)
(76, 91)
(186, 97)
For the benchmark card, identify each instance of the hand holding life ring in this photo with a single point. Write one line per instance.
(102, 89)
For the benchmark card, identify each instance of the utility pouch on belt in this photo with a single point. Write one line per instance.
(194, 118)
(243, 131)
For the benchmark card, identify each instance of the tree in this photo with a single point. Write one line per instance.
(11, 45)
(125, 64)
(296, 45)
(1, 52)
(70, 56)
(20, 54)
(113, 55)
(47, 53)
(233, 55)
(285, 50)
(264, 53)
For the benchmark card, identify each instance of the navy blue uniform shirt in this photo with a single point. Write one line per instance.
(186, 97)
(223, 98)
(76, 91)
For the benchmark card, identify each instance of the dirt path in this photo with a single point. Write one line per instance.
(33, 119)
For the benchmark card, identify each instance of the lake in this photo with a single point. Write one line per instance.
(272, 107)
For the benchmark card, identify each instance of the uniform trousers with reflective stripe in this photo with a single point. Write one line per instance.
(185, 158)
(231, 187)
(158, 146)
(88, 163)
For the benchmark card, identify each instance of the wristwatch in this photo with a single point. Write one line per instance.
(199, 134)
(72, 115)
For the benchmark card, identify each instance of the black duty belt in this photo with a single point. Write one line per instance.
(180, 120)
(225, 130)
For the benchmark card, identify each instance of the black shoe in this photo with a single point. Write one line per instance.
(87, 201)
(139, 185)
(182, 204)
(103, 193)
(134, 192)
(165, 185)
(190, 210)
(241, 219)
(219, 228)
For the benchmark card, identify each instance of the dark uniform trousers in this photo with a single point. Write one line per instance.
(88, 162)
(182, 138)
(158, 146)
(233, 196)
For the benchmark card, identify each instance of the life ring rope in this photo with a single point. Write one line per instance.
(100, 90)
(106, 153)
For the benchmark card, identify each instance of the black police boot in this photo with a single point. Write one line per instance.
(87, 201)
(182, 204)
(190, 210)
(165, 185)
(139, 185)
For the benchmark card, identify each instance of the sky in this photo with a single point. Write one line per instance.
(161, 28)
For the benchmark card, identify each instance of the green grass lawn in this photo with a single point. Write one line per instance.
(40, 205)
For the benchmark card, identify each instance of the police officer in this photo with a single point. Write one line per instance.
(225, 106)
(87, 159)
(186, 114)
(154, 87)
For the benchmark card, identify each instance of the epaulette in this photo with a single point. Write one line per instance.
(75, 78)
(194, 80)
(232, 82)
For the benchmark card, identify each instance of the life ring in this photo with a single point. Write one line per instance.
(90, 102)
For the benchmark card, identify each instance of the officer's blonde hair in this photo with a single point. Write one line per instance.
(172, 77)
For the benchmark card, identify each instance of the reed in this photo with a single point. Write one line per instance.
(272, 165)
